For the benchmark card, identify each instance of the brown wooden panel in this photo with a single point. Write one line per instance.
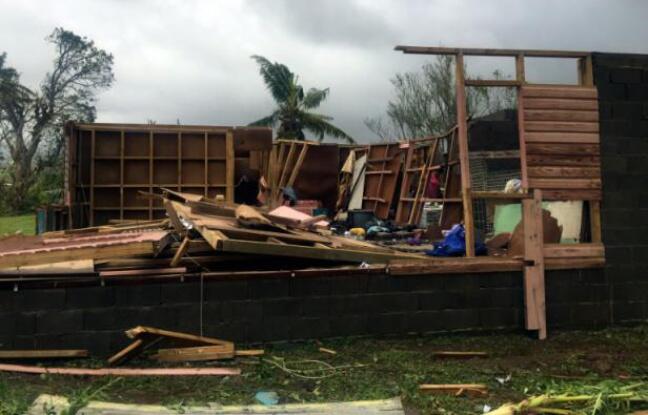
(572, 194)
(561, 104)
(563, 149)
(193, 145)
(557, 126)
(193, 172)
(165, 172)
(565, 183)
(544, 137)
(560, 115)
(216, 146)
(107, 144)
(136, 172)
(559, 92)
(136, 144)
(574, 250)
(554, 171)
(107, 172)
(216, 173)
(165, 145)
(560, 160)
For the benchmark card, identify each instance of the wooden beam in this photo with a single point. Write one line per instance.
(462, 127)
(519, 68)
(42, 354)
(506, 83)
(595, 221)
(297, 166)
(534, 286)
(180, 251)
(126, 353)
(189, 371)
(536, 53)
(230, 160)
(583, 250)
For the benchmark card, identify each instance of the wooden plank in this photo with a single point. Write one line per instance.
(537, 53)
(189, 371)
(564, 172)
(137, 332)
(583, 250)
(180, 251)
(195, 354)
(563, 149)
(462, 128)
(566, 183)
(561, 104)
(585, 71)
(576, 138)
(298, 165)
(431, 266)
(560, 115)
(519, 68)
(534, 286)
(572, 194)
(230, 159)
(507, 83)
(298, 251)
(576, 92)
(126, 353)
(563, 160)
(92, 177)
(500, 195)
(73, 254)
(574, 263)
(559, 127)
(42, 354)
(524, 176)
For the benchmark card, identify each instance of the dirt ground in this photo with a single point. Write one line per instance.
(369, 368)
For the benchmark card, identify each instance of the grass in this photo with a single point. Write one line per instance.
(26, 224)
(378, 369)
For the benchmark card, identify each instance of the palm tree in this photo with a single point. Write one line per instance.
(293, 114)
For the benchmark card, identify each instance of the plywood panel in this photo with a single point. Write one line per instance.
(193, 146)
(136, 144)
(107, 172)
(107, 144)
(136, 172)
(165, 145)
(165, 172)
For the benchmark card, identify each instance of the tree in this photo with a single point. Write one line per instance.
(293, 113)
(424, 102)
(31, 120)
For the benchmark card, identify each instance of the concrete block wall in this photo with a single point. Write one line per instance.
(259, 310)
(622, 82)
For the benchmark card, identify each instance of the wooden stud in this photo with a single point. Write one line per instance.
(462, 129)
(534, 286)
(179, 161)
(150, 213)
(519, 68)
(92, 177)
(122, 145)
(206, 165)
(179, 253)
(187, 371)
(298, 165)
(42, 354)
(595, 221)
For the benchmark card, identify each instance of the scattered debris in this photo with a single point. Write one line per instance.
(267, 398)
(459, 355)
(325, 350)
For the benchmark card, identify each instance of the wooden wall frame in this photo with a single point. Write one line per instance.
(563, 130)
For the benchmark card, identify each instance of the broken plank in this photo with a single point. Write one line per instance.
(135, 332)
(195, 354)
(180, 252)
(190, 371)
(298, 251)
(43, 354)
(126, 353)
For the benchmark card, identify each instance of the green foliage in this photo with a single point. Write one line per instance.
(31, 121)
(424, 102)
(292, 113)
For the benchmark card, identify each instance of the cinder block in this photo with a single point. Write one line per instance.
(7, 300)
(388, 323)
(638, 92)
(25, 323)
(627, 110)
(59, 322)
(432, 301)
(40, 299)
(460, 319)
(281, 307)
(423, 321)
(226, 290)
(396, 302)
(348, 325)
(245, 310)
(137, 295)
(7, 324)
(309, 328)
(89, 297)
(182, 292)
(626, 312)
(309, 287)
(497, 318)
(268, 288)
(315, 306)
(352, 284)
(99, 319)
(625, 76)
(611, 92)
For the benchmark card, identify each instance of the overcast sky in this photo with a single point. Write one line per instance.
(190, 60)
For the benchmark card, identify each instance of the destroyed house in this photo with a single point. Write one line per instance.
(551, 196)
